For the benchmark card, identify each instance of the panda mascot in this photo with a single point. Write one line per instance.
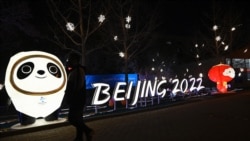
(35, 82)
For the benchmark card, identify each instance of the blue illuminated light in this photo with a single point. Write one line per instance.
(110, 79)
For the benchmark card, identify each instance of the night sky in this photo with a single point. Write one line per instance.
(178, 18)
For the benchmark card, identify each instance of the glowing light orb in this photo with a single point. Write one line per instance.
(35, 81)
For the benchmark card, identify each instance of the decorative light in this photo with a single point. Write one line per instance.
(168, 42)
(128, 19)
(101, 18)
(197, 56)
(201, 75)
(161, 70)
(199, 64)
(245, 50)
(239, 74)
(115, 38)
(233, 29)
(226, 47)
(215, 27)
(217, 38)
(127, 26)
(70, 26)
(196, 45)
(121, 54)
(152, 68)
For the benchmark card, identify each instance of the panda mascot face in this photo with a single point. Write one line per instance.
(35, 82)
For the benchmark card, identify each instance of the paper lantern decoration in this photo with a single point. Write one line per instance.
(35, 81)
(221, 74)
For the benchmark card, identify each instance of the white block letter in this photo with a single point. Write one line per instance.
(98, 90)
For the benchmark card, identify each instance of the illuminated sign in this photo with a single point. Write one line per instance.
(35, 81)
(123, 91)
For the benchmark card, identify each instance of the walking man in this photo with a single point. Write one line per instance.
(75, 96)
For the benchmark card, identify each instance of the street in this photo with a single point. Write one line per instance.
(224, 117)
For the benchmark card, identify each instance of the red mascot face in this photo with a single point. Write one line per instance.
(221, 74)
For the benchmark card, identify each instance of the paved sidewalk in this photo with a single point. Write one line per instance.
(226, 118)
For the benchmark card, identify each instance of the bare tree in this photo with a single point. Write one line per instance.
(129, 32)
(76, 21)
(223, 30)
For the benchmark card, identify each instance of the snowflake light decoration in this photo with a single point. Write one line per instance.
(128, 19)
(70, 26)
(101, 18)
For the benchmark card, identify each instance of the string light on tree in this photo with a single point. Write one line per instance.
(245, 50)
(215, 27)
(197, 56)
(217, 38)
(127, 26)
(101, 18)
(121, 54)
(128, 19)
(115, 38)
(226, 48)
(70, 26)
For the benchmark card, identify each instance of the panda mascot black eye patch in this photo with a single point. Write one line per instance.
(54, 70)
(25, 70)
